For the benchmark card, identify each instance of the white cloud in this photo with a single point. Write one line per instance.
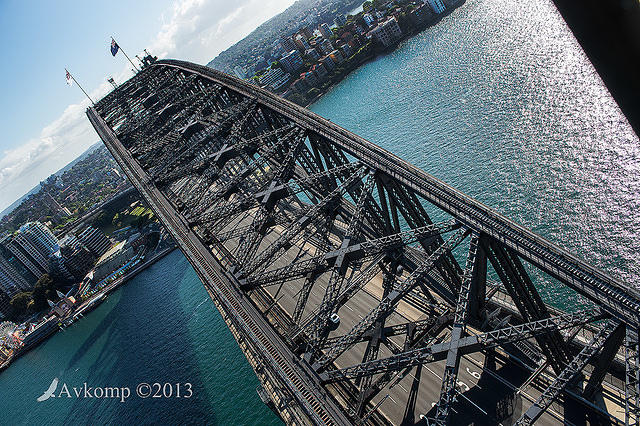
(195, 30)
(200, 29)
(59, 142)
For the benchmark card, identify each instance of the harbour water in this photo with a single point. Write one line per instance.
(497, 99)
(160, 327)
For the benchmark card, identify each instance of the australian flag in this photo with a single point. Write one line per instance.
(114, 47)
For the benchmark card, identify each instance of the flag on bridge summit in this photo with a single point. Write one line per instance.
(69, 78)
(114, 47)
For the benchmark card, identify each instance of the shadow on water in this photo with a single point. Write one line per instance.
(98, 331)
(142, 341)
(160, 327)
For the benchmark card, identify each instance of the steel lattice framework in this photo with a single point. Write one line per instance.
(345, 273)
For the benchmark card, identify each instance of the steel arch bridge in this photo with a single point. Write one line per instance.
(360, 288)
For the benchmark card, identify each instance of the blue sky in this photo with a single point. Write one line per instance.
(42, 119)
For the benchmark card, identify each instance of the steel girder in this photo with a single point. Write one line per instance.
(359, 251)
(473, 343)
(259, 179)
(388, 303)
(450, 376)
(632, 376)
(571, 373)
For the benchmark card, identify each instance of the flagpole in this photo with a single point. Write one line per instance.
(76, 81)
(125, 54)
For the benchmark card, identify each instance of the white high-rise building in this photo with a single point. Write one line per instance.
(387, 32)
(22, 248)
(41, 237)
(95, 241)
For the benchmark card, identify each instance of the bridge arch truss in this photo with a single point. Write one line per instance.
(358, 285)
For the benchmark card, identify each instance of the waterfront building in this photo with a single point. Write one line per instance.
(328, 63)
(387, 32)
(325, 47)
(116, 257)
(451, 4)
(368, 19)
(274, 79)
(8, 284)
(422, 15)
(136, 241)
(77, 260)
(21, 276)
(340, 20)
(5, 311)
(336, 56)
(310, 78)
(437, 6)
(63, 306)
(11, 281)
(292, 61)
(312, 53)
(325, 30)
(347, 50)
(41, 237)
(320, 71)
(57, 267)
(95, 241)
(300, 86)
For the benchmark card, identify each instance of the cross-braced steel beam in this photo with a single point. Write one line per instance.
(467, 344)
(450, 376)
(572, 372)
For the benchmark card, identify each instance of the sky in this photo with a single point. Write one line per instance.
(43, 120)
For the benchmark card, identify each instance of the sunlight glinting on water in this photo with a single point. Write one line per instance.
(500, 101)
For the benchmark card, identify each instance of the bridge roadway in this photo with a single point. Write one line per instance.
(477, 373)
(309, 393)
(484, 381)
(503, 378)
(619, 301)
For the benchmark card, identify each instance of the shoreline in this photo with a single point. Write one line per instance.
(90, 304)
(332, 85)
(377, 53)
